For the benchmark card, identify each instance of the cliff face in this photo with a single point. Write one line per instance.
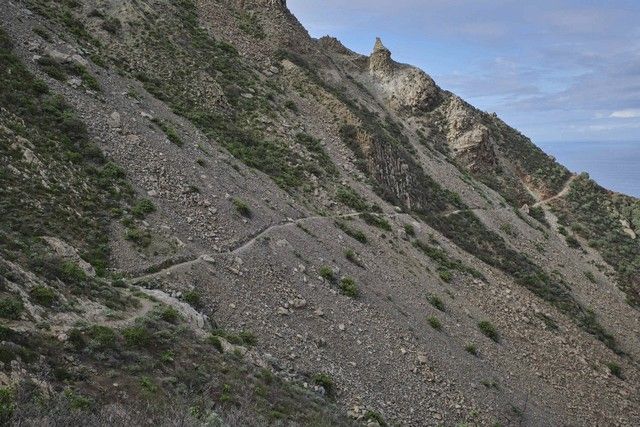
(210, 217)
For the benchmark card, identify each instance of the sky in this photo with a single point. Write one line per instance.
(557, 70)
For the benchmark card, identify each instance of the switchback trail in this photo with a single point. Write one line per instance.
(562, 193)
(240, 246)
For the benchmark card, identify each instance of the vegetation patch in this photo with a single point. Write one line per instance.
(598, 216)
(349, 287)
(489, 330)
(242, 208)
(434, 322)
(169, 131)
(352, 232)
(11, 307)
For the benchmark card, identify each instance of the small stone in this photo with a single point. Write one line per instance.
(299, 303)
(341, 327)
(114, 120)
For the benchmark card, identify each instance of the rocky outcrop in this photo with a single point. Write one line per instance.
(469, 139)
(279, 4)
(380, 63)
(407, 89)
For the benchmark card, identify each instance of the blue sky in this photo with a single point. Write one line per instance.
(562, 70)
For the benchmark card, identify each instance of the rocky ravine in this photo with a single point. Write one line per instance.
(297, 234)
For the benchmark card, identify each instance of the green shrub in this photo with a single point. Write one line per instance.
(169, 131)
(489, 330)
(352, 232)
(349, 197)
(102, 337)
(242, 208)
(376, 221)
(325, 381)
(43, 295)
(11, 308)
(509, 229)
(327, 273)
(141, 238)
(193, 298)
(291, 106)
(72, 273)
(244, 338)
(142, 208)
(136, 336)
(446, 275)
(7, 405)
(376, 418)
(248, 338)
(471, 349)
(435, 301)
(216, 343)
(434, 323)
(410, 230)
(169, 314)
(352, 257)
(615, 369)
(147, 384)
(349, 287)
(538, 213)
(573, 242)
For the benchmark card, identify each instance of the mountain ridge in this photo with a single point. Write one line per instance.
(354, 254)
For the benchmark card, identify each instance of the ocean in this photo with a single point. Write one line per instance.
(614, 165)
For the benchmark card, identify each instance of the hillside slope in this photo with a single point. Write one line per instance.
(210, 218)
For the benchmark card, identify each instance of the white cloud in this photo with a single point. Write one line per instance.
(626, 114)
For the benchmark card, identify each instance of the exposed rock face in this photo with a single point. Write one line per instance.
(278, 4)
(333, 44)
(406, 88)
(469, 139)
(380, 63)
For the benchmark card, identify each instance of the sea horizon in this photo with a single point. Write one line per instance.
(615, 165)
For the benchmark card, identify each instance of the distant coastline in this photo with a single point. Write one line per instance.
(614, 165)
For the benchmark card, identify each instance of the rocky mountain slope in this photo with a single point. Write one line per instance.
(210, 218)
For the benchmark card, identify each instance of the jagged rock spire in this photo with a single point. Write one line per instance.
(282, 4)
(379, 47)
(380, 63)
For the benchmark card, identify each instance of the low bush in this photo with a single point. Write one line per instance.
(446, 275)
(142, 208)
(169, 314)
(410, 230)
(11, 308)
(349, 287)
(353, 232)
(435, 323)
(193, 298)
(615, 369)
(325, 381)
(43, 295)
(242, 208)
(327, 273)
(137, 336)
(435, 301)
(471, 349)
(101, 337)
(489, 330)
